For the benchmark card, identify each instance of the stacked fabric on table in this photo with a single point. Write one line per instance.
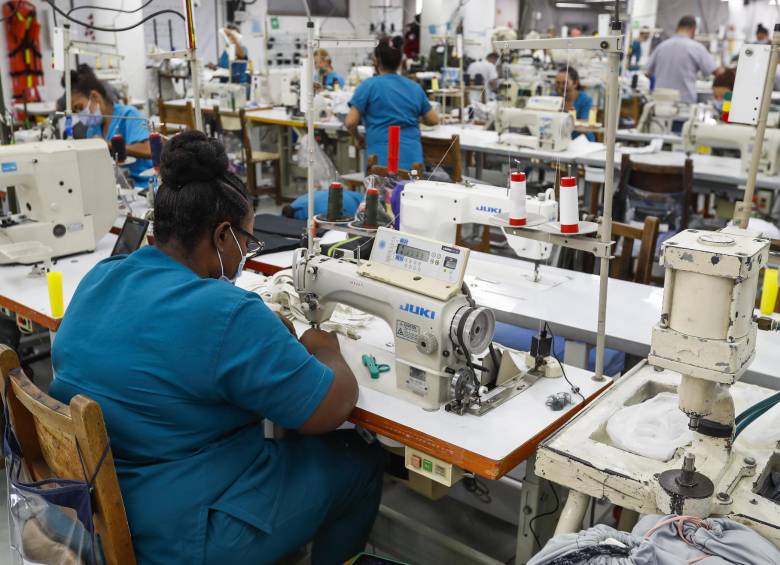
(662, 540)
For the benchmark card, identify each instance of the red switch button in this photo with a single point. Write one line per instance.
(416, 461)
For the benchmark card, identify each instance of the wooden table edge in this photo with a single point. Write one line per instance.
(479, 464)
(26, 312)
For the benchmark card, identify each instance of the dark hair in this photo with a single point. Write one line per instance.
(234, 26)
(725, 79)
(762, 29)
(687, 22)
(492, 55)
(197, 191)
(574, 76)
(388, 52)
(83, 81)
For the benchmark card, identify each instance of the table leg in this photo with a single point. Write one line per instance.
(573, 513)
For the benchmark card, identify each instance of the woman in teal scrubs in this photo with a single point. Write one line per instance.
(185, 366)
(391, 100)
(103, 117)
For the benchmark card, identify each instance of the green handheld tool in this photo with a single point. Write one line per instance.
(374, 369)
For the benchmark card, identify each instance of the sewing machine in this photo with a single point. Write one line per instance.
(526, 81)
(359, 73)
(65, 196)
(699, 130)
(540, 125)
(434, 209)
(278, 87)
(662, 110)
(700, 351)
(443, 340)
(330, 103)
(229, 95)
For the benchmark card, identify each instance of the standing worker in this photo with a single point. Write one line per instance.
(677, 61)
(185, 367)
(486, 68)
(387, 100)
(95, 107)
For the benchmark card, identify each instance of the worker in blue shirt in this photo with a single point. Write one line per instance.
(328, 76)
(185, 367)
(238, 65)
(387, 100)
(103, 117)
(567, 85)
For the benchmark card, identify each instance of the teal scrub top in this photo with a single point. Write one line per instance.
(131, 124)
(184, 369)
(332, 77)
(392, 100)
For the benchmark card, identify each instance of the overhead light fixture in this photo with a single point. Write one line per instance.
(570, 5)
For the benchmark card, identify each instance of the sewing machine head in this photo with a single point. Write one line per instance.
(540, 125)
(65, 198)
(416, 285)
(278, 87)
(229, 95)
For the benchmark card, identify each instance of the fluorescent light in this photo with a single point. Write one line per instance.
(569, 5)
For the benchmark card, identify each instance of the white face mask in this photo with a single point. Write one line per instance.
(241, 263)
(89, 117)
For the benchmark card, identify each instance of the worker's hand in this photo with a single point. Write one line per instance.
(288, 324)
(360, 142)
(231, 35)
(211, 66)
(317, 340)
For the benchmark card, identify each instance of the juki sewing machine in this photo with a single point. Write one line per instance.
(443, 340)
(700, 351)
(662, 110)
(64, 197)
(700, 130)
(279, 87)
(434, 209)
(540, 125)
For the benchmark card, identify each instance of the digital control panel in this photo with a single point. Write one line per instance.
(419, 255)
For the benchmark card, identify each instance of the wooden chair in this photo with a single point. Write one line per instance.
(253, 158)
(623, 266)
(444, 153)
(660, 179)
(375, 169)
(49, 431)
(175, 118)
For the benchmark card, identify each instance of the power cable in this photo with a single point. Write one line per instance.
(108, 29)
(107, 9)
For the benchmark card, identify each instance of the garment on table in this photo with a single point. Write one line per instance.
(350, 203)
(132, 125)
(333, 77)
(387, 100)
(185, 368)
(676, 63)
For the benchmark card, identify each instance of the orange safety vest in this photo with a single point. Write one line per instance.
(22, 32)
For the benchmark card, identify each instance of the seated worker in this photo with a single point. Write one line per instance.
(390, 99)
(486, 68)
(567, 84)
(299, 208)
(319, 57)
(329, 77)
(92, 102)
(722, 84)
(185, 367)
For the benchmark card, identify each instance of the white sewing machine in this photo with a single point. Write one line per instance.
(443, 340)
(434, 209)
(359, 73)
(525, 81)
(330, 103)
(662, 110)
(540, 125)
(700, 351)
(279, 87)
(229, 95)
(700, 131)
(65, 194)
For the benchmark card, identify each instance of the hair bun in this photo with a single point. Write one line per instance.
(397, 42)
(191, 156)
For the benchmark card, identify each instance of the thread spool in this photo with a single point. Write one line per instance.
(569, 205)
(156, 144)
(56, 301)
(517, 191)
(769, 292)
(372, 209)
(118, 148)
(335, 202)
(393, 145)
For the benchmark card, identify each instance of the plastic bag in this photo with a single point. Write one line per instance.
(654, 428)
(323, 169)
(50, 521)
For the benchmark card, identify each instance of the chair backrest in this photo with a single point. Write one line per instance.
(175, 115)
(444, 153)
(661, 179)
(49, 431)
(622, 267)
(374, 169)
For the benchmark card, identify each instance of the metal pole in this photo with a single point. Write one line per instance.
(66, 66)
(196, 88)
(310, 132)
(610, 131)
(742, 213)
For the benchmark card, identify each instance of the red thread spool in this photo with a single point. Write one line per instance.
(393, 146)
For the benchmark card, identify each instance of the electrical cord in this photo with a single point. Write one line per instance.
(476, 487)
(107, 9)
(754, 413)
(151, 16)
(574, 389)
(550, 513)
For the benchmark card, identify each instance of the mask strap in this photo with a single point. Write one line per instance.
(221, 268)
(236, 240)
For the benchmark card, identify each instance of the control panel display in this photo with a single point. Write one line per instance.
(412, 252)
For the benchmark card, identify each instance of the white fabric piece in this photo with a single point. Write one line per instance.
(654, 428)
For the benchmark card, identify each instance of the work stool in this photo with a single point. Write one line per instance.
(175, 118)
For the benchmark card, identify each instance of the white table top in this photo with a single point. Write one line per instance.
(39, 108)
(634, 135)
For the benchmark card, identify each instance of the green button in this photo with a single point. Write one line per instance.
(427, 465)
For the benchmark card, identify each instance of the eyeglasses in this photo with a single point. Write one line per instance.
(253, 245)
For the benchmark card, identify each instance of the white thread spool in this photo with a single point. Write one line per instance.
(517, 191)
(569, 206)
